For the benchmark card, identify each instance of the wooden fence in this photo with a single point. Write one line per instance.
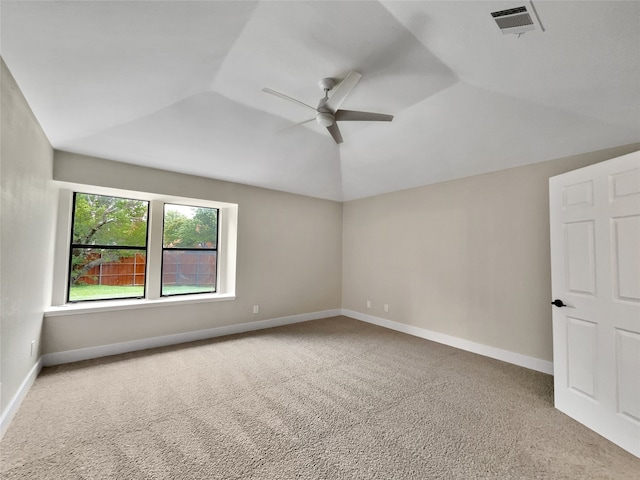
(124, 271)
(193, 267)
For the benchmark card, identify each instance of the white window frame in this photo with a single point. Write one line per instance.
(226, 257)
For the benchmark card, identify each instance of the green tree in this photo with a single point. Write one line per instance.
(198, 231)
(173, 224)
(201, 230)
(102, 220)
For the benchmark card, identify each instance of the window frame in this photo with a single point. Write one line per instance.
(188, 249)
(225, 262)
(73, 246)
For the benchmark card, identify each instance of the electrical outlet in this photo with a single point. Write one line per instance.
(33, 347)
(368, 303)
(256, 309)
(386, 307)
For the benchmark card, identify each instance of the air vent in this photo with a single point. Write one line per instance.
(515, 20)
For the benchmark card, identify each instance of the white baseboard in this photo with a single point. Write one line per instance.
(88, 353)
(532, 363)
(125, 347)
(14, 404)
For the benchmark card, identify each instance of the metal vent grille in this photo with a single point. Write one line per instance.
(515, 20)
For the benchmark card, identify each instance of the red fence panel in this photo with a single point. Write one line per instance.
(191, 267)
(126, 271)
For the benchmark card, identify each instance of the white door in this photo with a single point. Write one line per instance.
(595, 262)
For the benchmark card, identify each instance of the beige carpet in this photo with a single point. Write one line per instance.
(331, 399)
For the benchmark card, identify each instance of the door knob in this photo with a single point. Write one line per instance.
(558, 303)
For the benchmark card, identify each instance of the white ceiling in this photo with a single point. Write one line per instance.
(177, 85)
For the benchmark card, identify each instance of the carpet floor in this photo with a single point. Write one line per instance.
(333, 399)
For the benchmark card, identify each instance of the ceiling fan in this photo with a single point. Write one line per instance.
(328, 113)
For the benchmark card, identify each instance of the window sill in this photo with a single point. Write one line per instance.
(132, 304)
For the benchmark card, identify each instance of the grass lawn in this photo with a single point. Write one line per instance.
(103, 292)
(97, 292)
(178, 289)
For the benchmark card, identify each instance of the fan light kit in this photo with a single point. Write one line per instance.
(327, 113)
(325, 119)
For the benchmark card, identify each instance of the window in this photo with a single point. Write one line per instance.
(139, 249)
(108, 248)
(189, 250)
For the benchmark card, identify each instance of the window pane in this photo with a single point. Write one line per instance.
(103, 220)
(190, 227)
(188, 271)
(99, 274)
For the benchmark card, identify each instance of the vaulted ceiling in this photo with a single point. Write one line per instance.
(178, 85)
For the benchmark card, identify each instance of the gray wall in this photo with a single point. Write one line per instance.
(468, 258)
(289, 259)
(27, 210)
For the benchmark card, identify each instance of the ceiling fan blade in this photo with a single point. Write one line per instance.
(286, 97)
(296, 124)
(355, 116)
(335, 132)
(340, 92)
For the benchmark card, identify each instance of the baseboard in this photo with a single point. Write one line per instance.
(69, 356)
(88, 353)
(14, 404)
(532, 363)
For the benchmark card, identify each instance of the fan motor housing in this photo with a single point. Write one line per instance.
(325, 119)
